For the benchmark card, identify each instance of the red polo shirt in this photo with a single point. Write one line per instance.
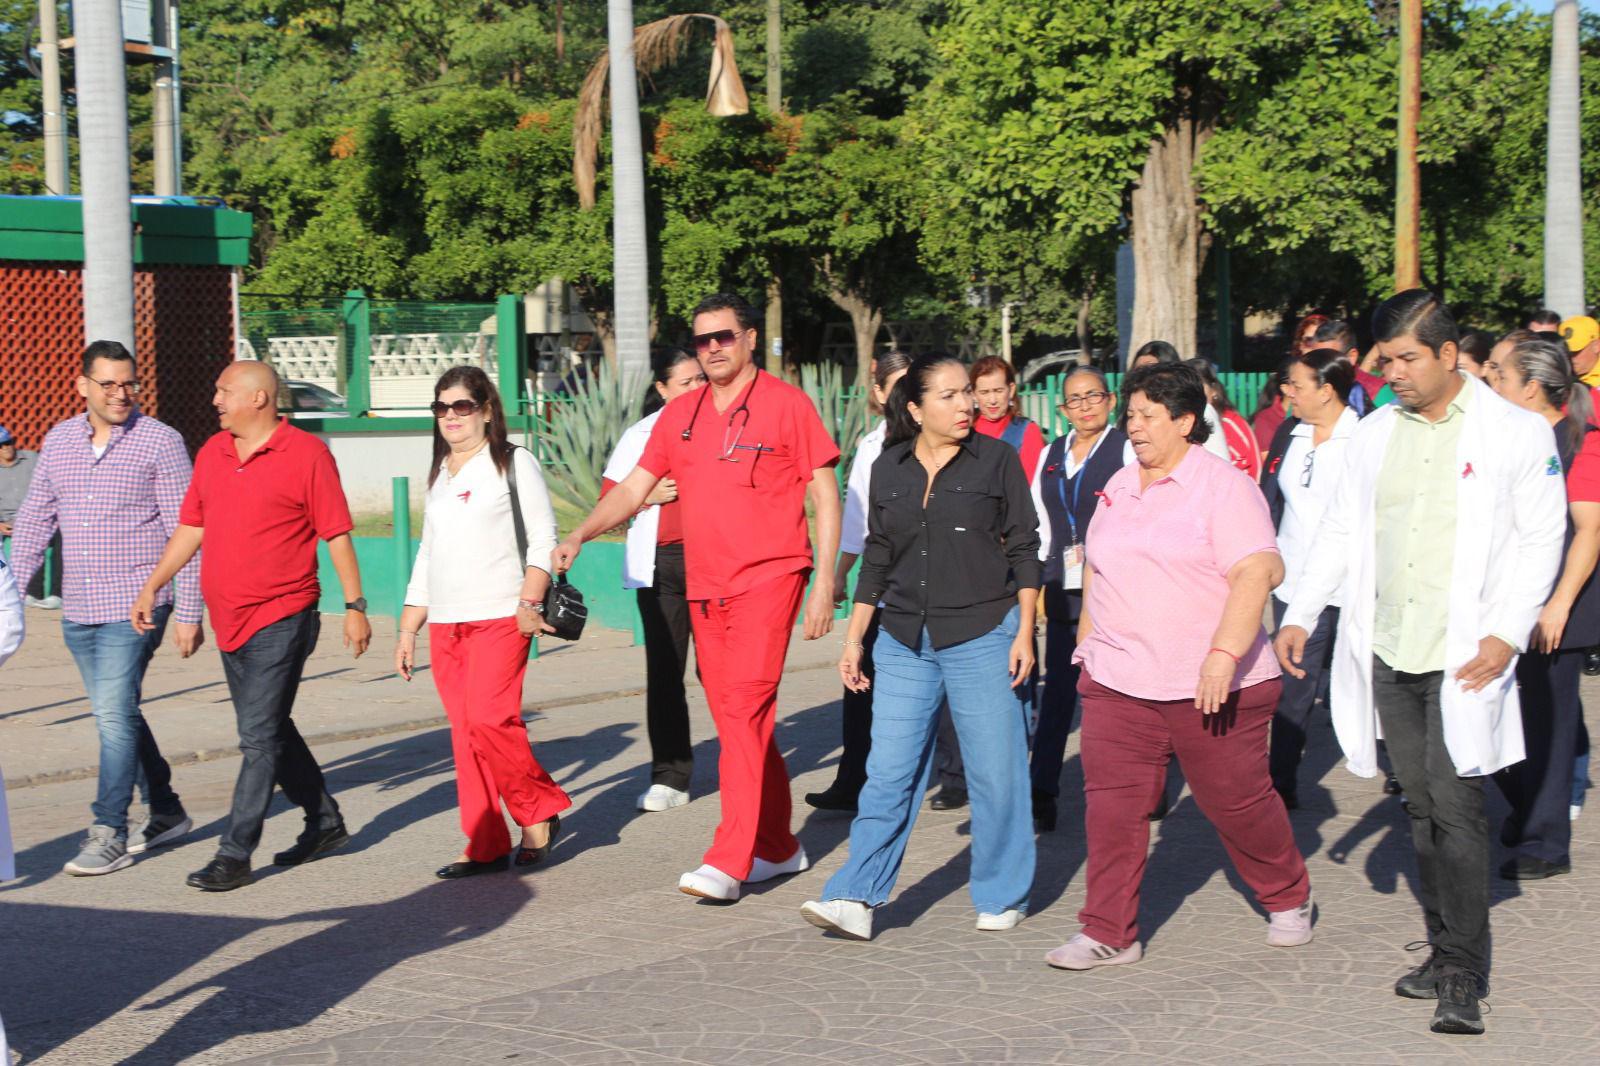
(744, 518)
(262, 520)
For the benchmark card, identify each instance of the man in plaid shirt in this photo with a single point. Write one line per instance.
(111, 481)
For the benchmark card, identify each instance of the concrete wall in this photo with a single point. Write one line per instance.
(368, 461)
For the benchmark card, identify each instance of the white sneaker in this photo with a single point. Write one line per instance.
(849, 918)
(662, 798)
(1290, 929)
(708, 882)
(1084, 952)
(1573, 811)
(762, 870)
(48, 603)
(991, 923)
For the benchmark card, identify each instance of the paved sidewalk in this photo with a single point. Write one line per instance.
(596, 959)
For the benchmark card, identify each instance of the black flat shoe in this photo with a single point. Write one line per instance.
(313, 843)
(1532, 868)
(529, 856)
(469, 868)
(833, 799)
(1391, 785)
(948, 798)
(221, 874)
(1044, 812)
(1591, 662)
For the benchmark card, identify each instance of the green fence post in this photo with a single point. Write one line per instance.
(510, 340)
(356, 313)
(402, 543)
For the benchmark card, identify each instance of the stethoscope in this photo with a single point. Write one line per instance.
(744, 405)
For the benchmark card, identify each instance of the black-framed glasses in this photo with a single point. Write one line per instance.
(1088, 399)
(461, 408)
(724, 338)
(112, 388)
(1305, 471)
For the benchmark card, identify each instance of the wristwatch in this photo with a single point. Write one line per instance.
(357, 604)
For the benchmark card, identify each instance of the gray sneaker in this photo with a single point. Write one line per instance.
(158, 829)
(102, 853)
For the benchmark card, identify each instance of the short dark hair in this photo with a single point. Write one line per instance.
(1416, 313)
(749, 317)
(1164, 352)
(1477, 344)
(1545, 317)
(1336, 331)
(670, 360)
(1176, 387)
(113, 350)
(1213, 384)
(1331, 368)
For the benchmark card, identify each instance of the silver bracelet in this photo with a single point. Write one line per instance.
(408, 632)
(851, 643)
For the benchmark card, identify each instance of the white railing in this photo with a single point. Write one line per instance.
(402, 366)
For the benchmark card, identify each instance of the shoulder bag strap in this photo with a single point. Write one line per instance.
(516, 512)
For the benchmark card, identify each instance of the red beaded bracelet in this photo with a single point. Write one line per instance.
(1229, 654)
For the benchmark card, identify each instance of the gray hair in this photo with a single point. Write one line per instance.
(1085, 368)
(1546, 363)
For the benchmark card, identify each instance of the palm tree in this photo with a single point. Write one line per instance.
(1563, 198)
(630, 264)
(103, 174)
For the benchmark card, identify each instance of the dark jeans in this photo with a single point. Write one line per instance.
(112, 658)
(856, 722)
(1539, 788)
(263, 677)
(1291, 720)
(1448, 824)
(1060, 698)
(664, 614)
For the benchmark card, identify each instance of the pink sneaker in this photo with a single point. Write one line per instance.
(1290, 929)
(1083, 952)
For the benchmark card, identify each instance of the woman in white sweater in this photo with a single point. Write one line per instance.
(482, 594)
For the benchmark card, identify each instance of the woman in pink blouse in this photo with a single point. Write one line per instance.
(1180, 559)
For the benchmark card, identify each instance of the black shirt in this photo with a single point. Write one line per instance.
(955, 565)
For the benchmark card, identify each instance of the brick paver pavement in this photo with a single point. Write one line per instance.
(595, 958)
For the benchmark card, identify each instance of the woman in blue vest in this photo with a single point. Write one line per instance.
(1066, 486)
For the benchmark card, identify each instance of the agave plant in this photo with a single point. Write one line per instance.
(843, 407)
(579, 432)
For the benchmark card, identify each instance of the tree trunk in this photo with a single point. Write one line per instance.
(1085, 339)
(1563, 198)
(1167, 246)
(866, 322)
(774, 331)
(103, 173)
(631, 265)
(599, 312)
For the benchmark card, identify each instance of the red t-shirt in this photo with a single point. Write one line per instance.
(669, 521)
(262, 520)
(1266, 424)
(744, 520)
(1032, 440)
(1242, 444)
(1583, 476)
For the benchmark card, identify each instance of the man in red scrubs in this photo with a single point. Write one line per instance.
(747, 451)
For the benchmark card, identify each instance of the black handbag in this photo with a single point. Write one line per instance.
(564, 610)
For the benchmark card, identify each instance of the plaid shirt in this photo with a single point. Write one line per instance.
(115, 514)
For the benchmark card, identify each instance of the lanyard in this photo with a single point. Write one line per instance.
(1077, 485)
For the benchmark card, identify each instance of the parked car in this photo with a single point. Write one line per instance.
(303, 399)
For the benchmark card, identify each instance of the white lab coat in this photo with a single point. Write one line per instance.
(12, 627)
(1511, 523)
(639, 561)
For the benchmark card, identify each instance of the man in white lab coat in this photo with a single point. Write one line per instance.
(1444, 540)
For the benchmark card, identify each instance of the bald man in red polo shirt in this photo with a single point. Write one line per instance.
(747, 451)
(262, 495)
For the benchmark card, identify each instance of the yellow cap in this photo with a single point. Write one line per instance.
(1580, 331)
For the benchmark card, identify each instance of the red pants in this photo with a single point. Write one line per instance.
(740, 645)
(478, 668)
(1126, 744)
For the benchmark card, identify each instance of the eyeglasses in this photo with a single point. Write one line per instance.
(462, 408)
(1305, 471)
(112, 388)
(1088, 399)
(724, 338)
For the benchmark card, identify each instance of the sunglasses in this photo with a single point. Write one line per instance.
(462, 408)
(724, 338)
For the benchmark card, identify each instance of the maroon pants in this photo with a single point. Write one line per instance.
(1126, 744)
(478, 668)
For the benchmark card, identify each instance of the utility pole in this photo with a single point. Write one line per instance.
(774, 317)
(1408, 201)
(1563, 197)
(167, 147)
(55, 122)
(103, 172)
(1005, 331)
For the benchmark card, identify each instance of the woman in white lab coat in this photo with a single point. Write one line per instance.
(11, 629)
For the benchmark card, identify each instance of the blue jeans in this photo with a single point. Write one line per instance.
(112, 659)
(909, 687)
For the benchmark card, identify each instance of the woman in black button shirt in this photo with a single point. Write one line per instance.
(952, 554)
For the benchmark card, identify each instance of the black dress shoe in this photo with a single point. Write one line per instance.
(1532, 868)
(948, 798)
(1458, 1011)
(833, 798)
(221, 874)
(1591, 662)
(1044, 812)
(469, 867)
(529, 856)
(1161, 809)
(1420, 983)
(1391, 785)
(312, 844)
